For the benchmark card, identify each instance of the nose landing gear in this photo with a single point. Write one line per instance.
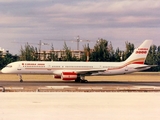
(20, 77)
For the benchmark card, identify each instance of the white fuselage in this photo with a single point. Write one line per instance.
(56, 68)
(77, 70)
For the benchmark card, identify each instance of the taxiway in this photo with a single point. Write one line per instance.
(62, 86)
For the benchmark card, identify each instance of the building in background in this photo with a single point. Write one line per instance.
(61, 53)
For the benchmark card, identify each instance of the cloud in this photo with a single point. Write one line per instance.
(107, 14)
(90, 13)
(30, 20)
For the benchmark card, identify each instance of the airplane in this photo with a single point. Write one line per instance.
(78, 70)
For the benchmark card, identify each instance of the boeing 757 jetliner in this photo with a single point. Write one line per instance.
(78, 70)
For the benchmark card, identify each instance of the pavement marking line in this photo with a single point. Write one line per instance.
(57, 86)
(97, 88)
(14, 88)
(84, 88)
(147, 87)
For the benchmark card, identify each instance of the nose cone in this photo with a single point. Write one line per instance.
(6, 70)
(3, 70)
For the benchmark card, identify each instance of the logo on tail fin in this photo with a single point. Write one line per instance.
(142, 51)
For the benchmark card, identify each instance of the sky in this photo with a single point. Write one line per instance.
(56, 21)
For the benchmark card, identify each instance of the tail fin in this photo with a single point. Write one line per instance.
(139, 55)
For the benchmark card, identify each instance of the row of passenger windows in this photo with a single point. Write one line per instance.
(68, 66)
(109, 67)
(79, 66)
(34, 66)
(63, 66)
(56, 66)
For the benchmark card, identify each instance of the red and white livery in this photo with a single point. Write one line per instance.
(78, 70)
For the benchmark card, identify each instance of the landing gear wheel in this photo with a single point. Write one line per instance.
(81, 79)
(77, 80)
(84, 81)
(21, 80)
(20, 77)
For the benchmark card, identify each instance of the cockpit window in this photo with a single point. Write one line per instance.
(9, 66)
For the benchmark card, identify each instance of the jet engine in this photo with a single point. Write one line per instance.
(68, 76)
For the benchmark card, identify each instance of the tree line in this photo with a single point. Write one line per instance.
(102, 51)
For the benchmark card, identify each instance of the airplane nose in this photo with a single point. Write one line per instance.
(3, 70)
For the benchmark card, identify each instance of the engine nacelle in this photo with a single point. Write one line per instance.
(57, 76)
(68, 76)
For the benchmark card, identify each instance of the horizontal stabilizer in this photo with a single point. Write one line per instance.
(145, 66)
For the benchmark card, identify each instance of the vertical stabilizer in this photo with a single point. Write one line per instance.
(139, 55)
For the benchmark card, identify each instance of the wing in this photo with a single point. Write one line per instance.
(89, 71)
(84, 72)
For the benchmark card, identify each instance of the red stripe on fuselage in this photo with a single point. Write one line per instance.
(140, 62)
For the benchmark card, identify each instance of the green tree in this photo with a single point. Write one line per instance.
(6, 59)
(100, 51)
(52, 56)
(28, 53)
(153, 58)
(129, 50)
(158, 55)
(67, 53)
(158, 58)
(86, 56)
(111, 52)
(118, 56)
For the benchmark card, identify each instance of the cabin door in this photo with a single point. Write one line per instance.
(49, 68)
(19, 67)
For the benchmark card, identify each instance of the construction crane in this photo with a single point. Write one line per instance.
(78, 40)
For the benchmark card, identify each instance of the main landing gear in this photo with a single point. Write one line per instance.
(81, 79)
(20, 78)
